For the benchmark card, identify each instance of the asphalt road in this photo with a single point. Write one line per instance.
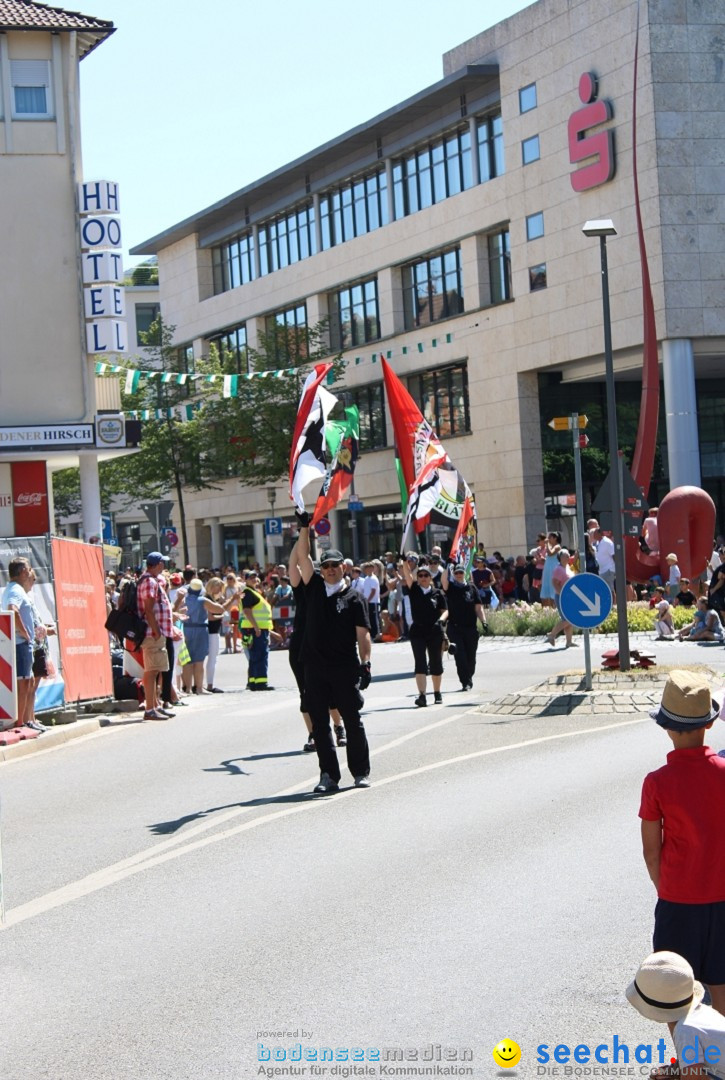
(178, 904)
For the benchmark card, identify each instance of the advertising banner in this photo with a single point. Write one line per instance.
(81, 598)
(30, 497)
(36, 549)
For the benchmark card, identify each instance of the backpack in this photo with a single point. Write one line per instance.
(124, 620)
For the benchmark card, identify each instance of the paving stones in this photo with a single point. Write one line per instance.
(612, 693)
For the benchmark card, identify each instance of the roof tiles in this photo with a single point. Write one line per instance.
(30, 15)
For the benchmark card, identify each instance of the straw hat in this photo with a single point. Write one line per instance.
(686, 703)
(664, 988)
(671, 557)
(196, 585)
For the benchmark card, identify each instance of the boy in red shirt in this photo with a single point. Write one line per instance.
(683, 834)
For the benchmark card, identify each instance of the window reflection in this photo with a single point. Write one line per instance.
(443, 399)
(433, 288)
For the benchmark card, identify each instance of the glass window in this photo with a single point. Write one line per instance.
(530, 150)
(288, 329)
(146, 314)
(527, 98)
(285, 240)
(232, 347)
(537, 277)
(233, 263)
(354, 315)
(534, 226)
(432, 173)
(433, 288)
(31, 88)
(490, 147)
(370, 404)
(443, 399)
(499, 267)
(354, 209)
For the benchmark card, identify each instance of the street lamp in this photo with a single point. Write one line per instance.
(604, 228)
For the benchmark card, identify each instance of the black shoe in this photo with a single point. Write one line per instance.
(326, 785)
(437, 698)
(309, 747)
(340, 735)
(214, 690)
(421, 701)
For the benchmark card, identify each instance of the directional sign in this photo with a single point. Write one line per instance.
(565, 423)
(585, 601)
(354, 504)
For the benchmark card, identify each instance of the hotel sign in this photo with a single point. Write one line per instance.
(107, 431)
(103, 295)
(55, 436)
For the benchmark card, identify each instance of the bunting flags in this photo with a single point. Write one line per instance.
(230, 383)
(342, 443)
(307, 454)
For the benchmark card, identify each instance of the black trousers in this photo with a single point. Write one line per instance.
(465, 638)
(167, 677)
(323, 685)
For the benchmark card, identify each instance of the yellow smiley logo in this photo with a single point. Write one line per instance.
(507, 1053)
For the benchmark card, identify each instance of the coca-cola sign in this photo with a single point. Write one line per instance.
(30, 498)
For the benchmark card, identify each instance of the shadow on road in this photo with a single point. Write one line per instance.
(166, 828)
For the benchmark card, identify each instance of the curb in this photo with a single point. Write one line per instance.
(55, 736)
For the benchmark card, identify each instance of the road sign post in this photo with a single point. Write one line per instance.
(582, 544)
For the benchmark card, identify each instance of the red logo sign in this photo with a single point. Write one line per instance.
(30, 498)
(599, 146)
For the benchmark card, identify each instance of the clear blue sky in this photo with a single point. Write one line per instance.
(189, 101)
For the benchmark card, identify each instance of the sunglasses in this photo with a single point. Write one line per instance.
(423, 573)
(329, 565)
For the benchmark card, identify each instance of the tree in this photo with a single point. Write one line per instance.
(249, 436)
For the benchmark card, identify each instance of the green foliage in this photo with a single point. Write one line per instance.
(67, 492)
(250, 436)
(533, 620)
(145, 274)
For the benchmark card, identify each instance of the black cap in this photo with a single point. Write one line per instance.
(459, 569)
(331, 556)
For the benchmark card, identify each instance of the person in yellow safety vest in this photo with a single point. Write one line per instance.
(256, 624)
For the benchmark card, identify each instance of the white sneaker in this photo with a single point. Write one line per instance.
(326, 785)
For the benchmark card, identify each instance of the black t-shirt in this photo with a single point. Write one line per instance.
(716, 599)
(249, 599)
(330, 628)
(519, 574)
(425, 608)
(686, 598)
(298, 627)
(462, 601)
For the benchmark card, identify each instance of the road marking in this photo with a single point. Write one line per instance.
(160, 854)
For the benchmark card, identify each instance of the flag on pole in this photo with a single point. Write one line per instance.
(417, 444)
(466, 535)
(342, 442)
(307, 455)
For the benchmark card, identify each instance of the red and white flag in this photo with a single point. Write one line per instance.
(307, 456)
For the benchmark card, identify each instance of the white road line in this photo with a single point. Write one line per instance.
(146, 860)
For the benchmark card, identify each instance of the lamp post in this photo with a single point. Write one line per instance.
(604, 228)
(272, 498)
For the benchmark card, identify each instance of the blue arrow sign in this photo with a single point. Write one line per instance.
(585, 601)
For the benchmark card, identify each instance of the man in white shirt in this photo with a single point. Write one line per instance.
(604, 547)
(370, 589)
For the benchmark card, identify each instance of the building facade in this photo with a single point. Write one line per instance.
(61, 303)
(446, 234)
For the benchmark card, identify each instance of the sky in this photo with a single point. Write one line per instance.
(189, 101)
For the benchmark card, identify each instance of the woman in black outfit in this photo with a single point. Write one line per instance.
(429, 611)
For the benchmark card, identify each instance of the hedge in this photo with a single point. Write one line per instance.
(533, 620)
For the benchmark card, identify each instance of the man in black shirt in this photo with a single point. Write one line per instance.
(336, 656)
(428, 613)
(464, 610)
